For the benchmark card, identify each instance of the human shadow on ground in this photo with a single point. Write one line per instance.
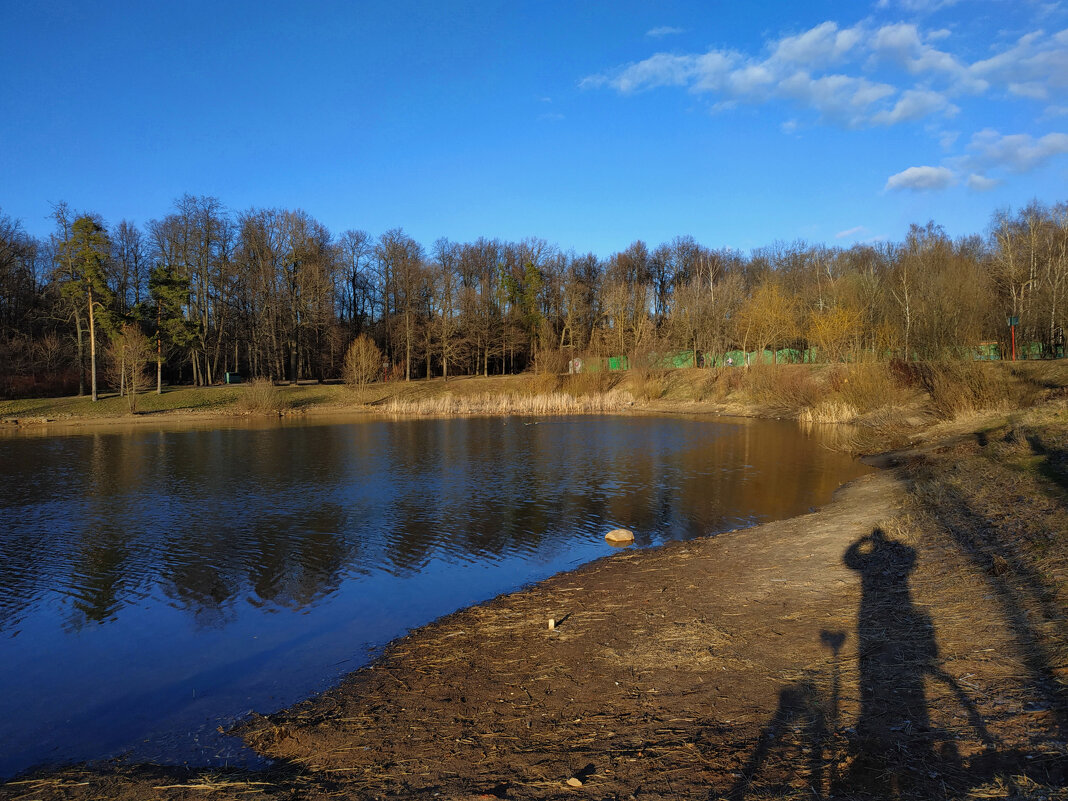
(894, 746)
(893, 750)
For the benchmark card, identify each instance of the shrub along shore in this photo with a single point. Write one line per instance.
(909, 640)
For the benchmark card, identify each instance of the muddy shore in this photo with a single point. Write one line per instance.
(896, 643)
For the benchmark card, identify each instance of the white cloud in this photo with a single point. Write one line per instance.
(1017, 153)
(818, 47)
(988, 150)
(980, 183)
(821, 69)
(917, 6)
(921, 179)
(662, 69)
(915, 104)
(838, 97)
(902, 44)
(751, 79)
(948, 138)
(860, 229)
(664, 30)
(713, 70)
(864, 75)
(1035, 67)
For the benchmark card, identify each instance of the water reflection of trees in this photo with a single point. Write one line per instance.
(281, 516)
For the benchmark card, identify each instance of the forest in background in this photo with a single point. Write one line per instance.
(269, 292)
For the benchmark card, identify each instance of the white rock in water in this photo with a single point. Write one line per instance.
(620, 535)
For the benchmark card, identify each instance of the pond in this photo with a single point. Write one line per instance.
(156, 584)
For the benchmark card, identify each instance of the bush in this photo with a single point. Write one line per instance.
(787, 389)
(549, 360)
(544, 384)
(126, 361)
(867, 387)
(363, 362)
(591, 383)
(261, 396)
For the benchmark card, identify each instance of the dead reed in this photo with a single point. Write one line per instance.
(515, 404)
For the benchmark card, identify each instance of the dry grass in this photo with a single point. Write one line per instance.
(546, 383)
(648, 384)
(956, 388)
(829, 410)
(486, 404)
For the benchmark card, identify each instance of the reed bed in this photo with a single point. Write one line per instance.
(490, 404)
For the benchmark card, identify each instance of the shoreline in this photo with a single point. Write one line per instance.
(669, 669)
(340, 414)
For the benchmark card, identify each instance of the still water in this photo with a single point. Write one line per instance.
(157, 584)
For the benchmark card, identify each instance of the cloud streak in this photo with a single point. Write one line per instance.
(664, 30)
(921, 179)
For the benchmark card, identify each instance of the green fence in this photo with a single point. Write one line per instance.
(984, 351)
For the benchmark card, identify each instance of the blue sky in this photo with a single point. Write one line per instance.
(587, 124)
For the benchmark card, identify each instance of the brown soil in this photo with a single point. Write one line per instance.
(906, 641)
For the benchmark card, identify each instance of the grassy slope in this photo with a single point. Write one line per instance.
(876, 394)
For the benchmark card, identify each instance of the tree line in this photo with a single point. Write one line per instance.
(204, 291)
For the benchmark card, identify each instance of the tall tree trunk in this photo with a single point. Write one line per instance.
(407, 346)
(159, 348)
(92, 342)
(81, 354)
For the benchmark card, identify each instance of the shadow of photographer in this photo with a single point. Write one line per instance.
(893, 750)
(894, 747)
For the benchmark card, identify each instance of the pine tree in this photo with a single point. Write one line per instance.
(169, 291)
(86, 250)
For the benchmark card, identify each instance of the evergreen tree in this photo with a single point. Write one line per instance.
(169, 292)
(86, 250)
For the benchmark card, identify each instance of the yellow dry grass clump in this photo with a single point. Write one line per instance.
(551, 403)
